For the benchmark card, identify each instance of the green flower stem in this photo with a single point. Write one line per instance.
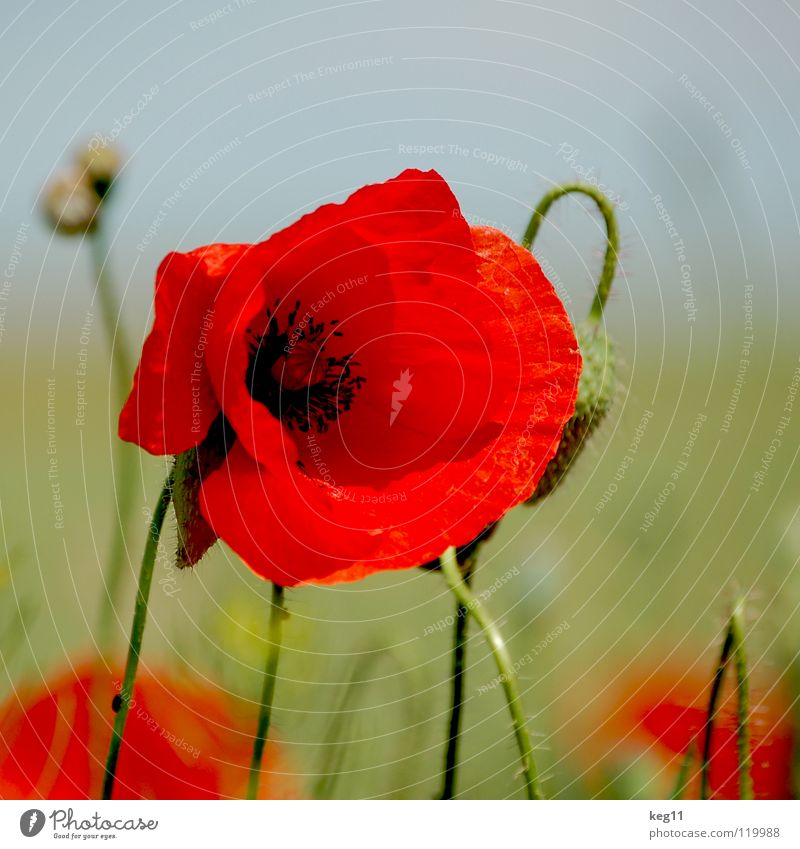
(716, 686)
(124, 456)
(110, 316)
(743, 703)
(612, 236)
(454, 725)
(684, 773)
(732, 646)
(276, 618)
(137, 633)
(505, 667)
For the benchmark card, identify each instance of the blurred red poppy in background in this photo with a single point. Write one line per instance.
(666, 714)
(370, 385)
(180, 742)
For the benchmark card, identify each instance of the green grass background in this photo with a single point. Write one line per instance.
(363, 690)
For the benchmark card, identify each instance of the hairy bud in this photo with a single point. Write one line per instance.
(595, 393)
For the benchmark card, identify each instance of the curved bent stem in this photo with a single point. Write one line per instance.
(612, 236)
(454, 725)
(276, 618)
(505, 667)
(122, 702)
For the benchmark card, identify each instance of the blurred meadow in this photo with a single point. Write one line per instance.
(235, 119)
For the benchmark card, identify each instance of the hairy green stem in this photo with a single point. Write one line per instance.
(277, 615)
(122, 702)
(716, 687)
(732, 646)
(742, 702)
(505, 667)
(612, 236)
(683, 773)
(124, 456)
(457, 692)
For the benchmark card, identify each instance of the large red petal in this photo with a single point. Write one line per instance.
(172, 402)
(355, 267)
(294, 524)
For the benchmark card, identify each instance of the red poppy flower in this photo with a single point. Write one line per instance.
(370, 385)
(668, 714)
(180, 742)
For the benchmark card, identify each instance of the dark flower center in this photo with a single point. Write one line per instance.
(292, 376)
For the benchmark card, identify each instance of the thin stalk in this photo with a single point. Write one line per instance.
(335, 746)
(457, 692)
(742, 702)
(732, 646)
(683, 773)
(612, 236)
(121, 364)
(276, 618)
(124, 456)
(505, 667)
(716, 687)
(122, 703)
(124, 460)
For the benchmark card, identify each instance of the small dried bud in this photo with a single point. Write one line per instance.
(99, 164)
(595, 393)
(70, 204)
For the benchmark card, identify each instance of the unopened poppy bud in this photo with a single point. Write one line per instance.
(99, 163)
(70, 205)
(597, 384)
(595, 393)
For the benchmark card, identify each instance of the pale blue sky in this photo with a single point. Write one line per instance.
(692, 102)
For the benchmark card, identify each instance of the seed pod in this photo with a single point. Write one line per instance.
(595, 393)
(70, 205)
(99, 163)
